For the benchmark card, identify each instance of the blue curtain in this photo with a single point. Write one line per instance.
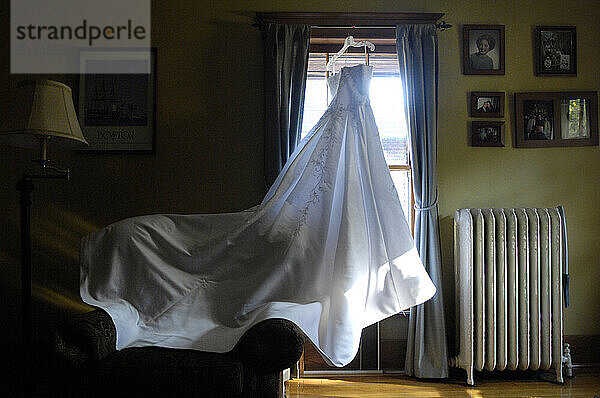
(417, 45)
(286, 49)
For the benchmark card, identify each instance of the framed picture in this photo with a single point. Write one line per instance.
(487, 104)
(487, 133)
(483, 49)
(117, 110)
(555, 51)
(552, 119)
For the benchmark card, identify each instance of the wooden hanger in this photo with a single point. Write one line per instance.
(350, 42)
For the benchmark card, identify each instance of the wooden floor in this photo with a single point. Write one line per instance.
(585, 384)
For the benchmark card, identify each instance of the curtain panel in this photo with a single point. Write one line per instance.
(417, 46)
(286, 49)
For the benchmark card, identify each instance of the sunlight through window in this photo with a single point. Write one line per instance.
(388, 108)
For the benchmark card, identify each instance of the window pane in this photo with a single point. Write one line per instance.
(315, 103)
(388, 107)
(401, 180)
(315, 96)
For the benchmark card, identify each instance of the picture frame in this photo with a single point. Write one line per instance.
(483, 49)
(555, 51)
(487, 104)
(117, 111)
(487, 133)
(556, 119)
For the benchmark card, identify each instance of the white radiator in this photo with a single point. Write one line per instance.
(510, 270)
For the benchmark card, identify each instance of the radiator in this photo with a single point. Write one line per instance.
(510, 270)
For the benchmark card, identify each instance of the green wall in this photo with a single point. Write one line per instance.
(209, 144)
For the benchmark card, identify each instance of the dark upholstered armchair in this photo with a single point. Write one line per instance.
(252, 369)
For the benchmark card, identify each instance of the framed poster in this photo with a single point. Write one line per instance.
(555, 51)
(117, 110)
(553, 119)
(483, 49)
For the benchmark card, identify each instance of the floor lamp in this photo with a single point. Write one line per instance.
(41, 113)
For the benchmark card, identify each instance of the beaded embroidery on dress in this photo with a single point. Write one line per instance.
(328, 248)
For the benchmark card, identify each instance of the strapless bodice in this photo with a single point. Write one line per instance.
(351, 84)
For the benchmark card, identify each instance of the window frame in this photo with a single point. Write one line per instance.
(339, 25)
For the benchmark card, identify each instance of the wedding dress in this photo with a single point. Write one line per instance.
(328, 249)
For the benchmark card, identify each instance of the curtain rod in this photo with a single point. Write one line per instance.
(442, 26)
(350, 20)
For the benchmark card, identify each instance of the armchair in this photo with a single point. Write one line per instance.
(252, 369)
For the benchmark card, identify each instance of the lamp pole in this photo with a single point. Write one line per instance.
(25, 187)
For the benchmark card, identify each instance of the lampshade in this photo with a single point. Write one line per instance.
(42, 108)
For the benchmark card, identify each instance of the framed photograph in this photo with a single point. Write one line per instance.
(483, 49)
(117, 110)
(487, 104)
(553, 119)
(555, 51)
(487, 133)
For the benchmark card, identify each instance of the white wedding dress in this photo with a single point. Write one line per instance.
(328, 249)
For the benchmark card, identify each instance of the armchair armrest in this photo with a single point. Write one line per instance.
(271, 346)
(89, 336)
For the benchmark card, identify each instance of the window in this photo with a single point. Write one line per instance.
(388, 107)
